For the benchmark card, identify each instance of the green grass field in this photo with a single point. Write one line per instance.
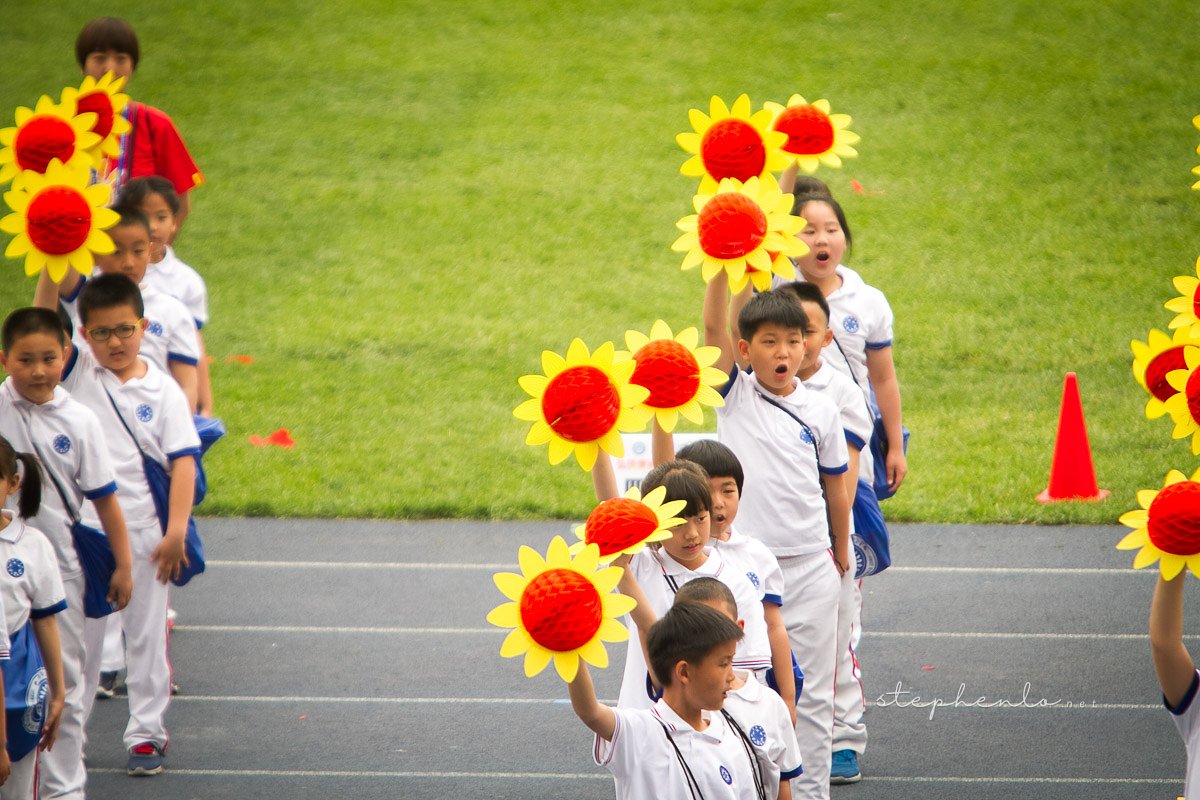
(408, 202)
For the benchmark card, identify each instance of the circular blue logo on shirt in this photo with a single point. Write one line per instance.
(753, 579)
(154, 328)
(725, 776)
(145, 413)
(758, 737)
(806, 436)
(62, 444)
(15, 567)
(850, 323)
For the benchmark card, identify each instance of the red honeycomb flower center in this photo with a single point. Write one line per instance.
(809, 130)
(59, 220)
(669, 371)
(581, 404)
(1192, 391)
(731, 225)
(1174, 519)
(620, 523)
(561, 610)
(41, 139)
(733, 148)
(1157, 369)
(100, 104)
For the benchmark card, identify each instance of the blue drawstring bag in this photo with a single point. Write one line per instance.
(160, 489)
(25, 693)
(210, 430)
(797, 673)
(98, 564)
(879, 451)
(870, 540)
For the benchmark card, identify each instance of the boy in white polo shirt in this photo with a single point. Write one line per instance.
(170, 342)
(683, 747)
(133, 398)
(790, 443)
(1177, 674)
(39, 416)
(850, 701)
(761, 713)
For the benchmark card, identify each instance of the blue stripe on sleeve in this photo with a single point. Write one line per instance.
(191, 362)
(879, 345)
(773, 599)
(733, 373)
(855, 440)
(1186, 702)
(41, 613)
(791, 773)
(191, 451)
(833, 470)
(103, 491)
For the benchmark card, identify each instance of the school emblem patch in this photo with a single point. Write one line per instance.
(806, 435)
(725, 776)
(758, 737)
(145, 413)
(850, 323)
(753, 579)
(865, 562)
(15, 567)
(35, 702)
(62, 444)
(155, 328)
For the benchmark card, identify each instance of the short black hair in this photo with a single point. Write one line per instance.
(129, 215)
(684, 480)
(770, 308)
(807, 184)
(135, 192)
(707, 590)
(106, 33)
(26, 321)
(801, 200)
(810, 293)
(687, 632)
(109, 290)
(714, 458)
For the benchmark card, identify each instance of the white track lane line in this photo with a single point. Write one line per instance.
(580, 776)
(468, 567)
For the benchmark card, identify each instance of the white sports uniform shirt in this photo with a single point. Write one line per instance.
(175, 278)
(170, 328)
(783, 505)
(852, 409)
(861, 320)
(752, 557)
(1187, 719)
(30, 584)
(764, 717)
(154, 407)
(645, 766)
(659, 576)
(70, 442)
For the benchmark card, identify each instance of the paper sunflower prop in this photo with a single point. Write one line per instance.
(1167, 526)
(745, 229)
(104, 99)
(582, 403)
(561, 609)
(1187, 305)
(1184, 405)
(46, 133)
(1154, 359)
(1196, 170)
(678, 374)
(731, 143)
(625, 525)
(58, 221)
(814, 136)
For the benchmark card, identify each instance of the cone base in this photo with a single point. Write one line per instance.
(1045, 498)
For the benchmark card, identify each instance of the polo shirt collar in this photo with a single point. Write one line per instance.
(60, 396)
(14, 529)
(714, 731)
(710, 567)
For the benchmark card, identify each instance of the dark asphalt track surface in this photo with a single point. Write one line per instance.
(331, 659)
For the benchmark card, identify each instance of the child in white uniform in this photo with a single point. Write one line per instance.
(791, 444)
(1177, 674)
(142, 410)
(39, 416)
(32, 594)
(760, 712)
(684, 747)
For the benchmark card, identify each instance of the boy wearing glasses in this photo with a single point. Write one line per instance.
(170, 342)
(140, 409)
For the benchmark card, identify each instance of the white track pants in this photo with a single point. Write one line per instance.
(810, 612)
(19, 785)
(849, 698)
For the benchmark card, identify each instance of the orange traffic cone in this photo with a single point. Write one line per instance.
(1072, 476)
